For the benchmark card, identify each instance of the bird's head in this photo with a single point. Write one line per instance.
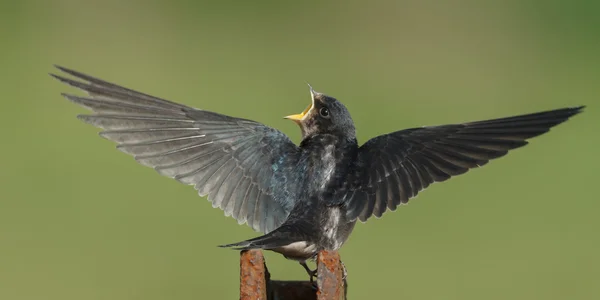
(324, 115)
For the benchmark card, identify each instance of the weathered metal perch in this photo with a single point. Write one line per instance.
(256, 283)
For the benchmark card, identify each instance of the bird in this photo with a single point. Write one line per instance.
(301, 198)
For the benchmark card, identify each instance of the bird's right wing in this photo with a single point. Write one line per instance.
(244, 167)
(393, 168)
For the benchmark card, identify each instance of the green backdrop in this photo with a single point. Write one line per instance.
(80, 220)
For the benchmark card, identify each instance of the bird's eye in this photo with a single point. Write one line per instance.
(324, 112)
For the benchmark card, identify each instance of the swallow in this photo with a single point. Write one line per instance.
(302, 198)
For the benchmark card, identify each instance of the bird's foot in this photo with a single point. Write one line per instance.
(311, 273)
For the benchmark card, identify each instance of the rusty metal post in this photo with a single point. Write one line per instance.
(253, 276)
(330, 276)
(255, 282)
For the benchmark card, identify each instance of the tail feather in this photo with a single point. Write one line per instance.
(268, 241)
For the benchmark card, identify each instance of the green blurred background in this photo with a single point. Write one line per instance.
(80, 220)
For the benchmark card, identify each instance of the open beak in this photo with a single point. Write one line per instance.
(299, 117)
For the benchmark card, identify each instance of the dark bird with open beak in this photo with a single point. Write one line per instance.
(303, 198)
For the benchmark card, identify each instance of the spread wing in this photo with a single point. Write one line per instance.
(236, 162)
(393, 168)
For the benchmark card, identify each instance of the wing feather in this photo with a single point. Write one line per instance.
(395, 167)
(233, 161)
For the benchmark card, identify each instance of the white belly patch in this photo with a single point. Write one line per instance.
(297, 250)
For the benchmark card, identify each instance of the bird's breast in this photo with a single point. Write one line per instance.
(335, 228)
(328, 161)
(331, 226)
(328, 166)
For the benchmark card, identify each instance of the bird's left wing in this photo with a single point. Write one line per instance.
(393, 168)
(243, 166)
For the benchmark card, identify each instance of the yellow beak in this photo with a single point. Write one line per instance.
(299, 117)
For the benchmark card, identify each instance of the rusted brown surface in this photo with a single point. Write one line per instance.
(253, 276)
(332, 285)
(255, 280)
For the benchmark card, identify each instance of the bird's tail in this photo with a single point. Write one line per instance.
(272, 240)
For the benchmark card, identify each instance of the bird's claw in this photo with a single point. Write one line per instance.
(314, 283)
(313, 276)
(311, 273)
